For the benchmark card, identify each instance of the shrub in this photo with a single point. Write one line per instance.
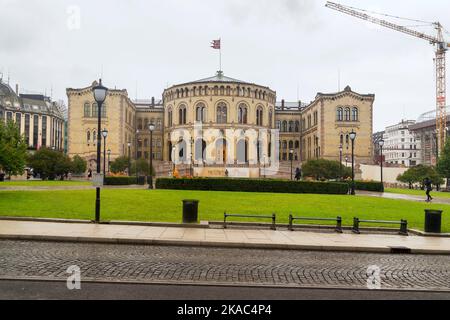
(322, 169)
(79, 165)
(123, 181)
(252, 185)
(368, 186)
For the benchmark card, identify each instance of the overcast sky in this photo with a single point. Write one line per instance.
(292, 46)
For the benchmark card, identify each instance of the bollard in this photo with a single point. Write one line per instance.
(339, 225)
(274, 222)
(356, 226)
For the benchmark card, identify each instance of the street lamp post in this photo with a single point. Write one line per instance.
(105, 135)
(340, 162)
(381, 144)
(291, 155)
(353, 138)
(109, 158)
(129, 159)
(173, 160)
(136, 155)
(151, 128)
(100, 93)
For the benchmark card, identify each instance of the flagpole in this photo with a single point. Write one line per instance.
(220, 54)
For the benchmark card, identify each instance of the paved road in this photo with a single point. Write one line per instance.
(32, 290)
(195, 265)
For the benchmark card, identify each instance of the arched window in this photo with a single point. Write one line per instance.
(182, 115)
(278, 125)
(222, 113)
(200, 147)
(87, 110)
(297, 126)
(94, 137)
(285, 145)
(291, 126)
(291, 144)
(170, 118)
(284, 126)
(139, 124)
(347, 114)
(355, 114)
(340, 114)
(94, 110)
(242, 151)
(242, 113)
(259, 116)
(200, 112)
(221, 151)
(88, 137)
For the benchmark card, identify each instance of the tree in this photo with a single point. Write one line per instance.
(418, 174)
(322, 169)
(443, 166)
(142, 167)
(13, 149)
(49, 164)
(119, 165)
(79, 165)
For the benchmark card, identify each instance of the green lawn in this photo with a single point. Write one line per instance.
(435, 194)
(39, 183)
(165, 206)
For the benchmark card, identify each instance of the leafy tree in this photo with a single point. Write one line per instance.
(119, 165)
(417, 174)
(49, 164)
(443, 166)
(13, 149)
(322, 169)
(79, 165)
(142, 167)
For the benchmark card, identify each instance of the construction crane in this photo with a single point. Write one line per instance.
(441, 48)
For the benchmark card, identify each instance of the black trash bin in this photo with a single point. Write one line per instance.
(433, 221)
(190, 211)
(2, 177)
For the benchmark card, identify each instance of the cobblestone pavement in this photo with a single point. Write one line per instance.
(147, 264)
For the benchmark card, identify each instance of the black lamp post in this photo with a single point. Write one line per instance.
(291, 155)
(100, 93)
(129, 159)
(151, 128)
(105, 135)
(381, 144)
(353, 138)
(109, 158)
(340, 162)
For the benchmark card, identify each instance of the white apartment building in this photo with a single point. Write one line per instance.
(401, 146)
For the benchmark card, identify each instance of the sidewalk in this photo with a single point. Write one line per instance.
(262, 239)
(397, 196)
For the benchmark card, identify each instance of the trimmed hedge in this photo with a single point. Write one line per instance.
(252, 185)
(368, 186)
(123, 181)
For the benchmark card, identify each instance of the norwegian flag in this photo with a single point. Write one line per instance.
(215, 44)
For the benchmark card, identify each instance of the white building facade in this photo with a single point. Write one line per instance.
(401, 146)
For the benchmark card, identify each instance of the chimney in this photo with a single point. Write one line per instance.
(282, 104)
(17, 88)
(299, 105)
(153, 101)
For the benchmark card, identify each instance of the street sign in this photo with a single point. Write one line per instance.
(97, 180)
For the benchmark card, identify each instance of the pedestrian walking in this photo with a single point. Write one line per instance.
(298, 174)
(428, 188)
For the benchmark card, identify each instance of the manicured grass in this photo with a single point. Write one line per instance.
(166, 205)
(435, 194)
(39, 183)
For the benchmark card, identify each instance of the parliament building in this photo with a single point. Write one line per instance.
(220, 126)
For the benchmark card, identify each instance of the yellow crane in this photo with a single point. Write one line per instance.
(437, 41)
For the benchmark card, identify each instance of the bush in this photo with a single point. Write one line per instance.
(252, 185)
(368, 186)
(322, 169)
(123, 181)
(79, 165)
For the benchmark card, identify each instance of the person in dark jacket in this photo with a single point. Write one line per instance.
(428, 188)
(298, 174)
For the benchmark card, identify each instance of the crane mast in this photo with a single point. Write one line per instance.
(440, 62)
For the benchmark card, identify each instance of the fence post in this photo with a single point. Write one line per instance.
(274, 222)
(356, 225)
(339, 225)
(404, 228)
(291, 219)
(225, 220)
